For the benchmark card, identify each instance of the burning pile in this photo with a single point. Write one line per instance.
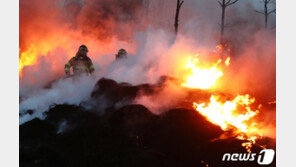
(133, 129)
(235, 114)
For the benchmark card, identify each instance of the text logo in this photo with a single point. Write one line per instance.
(265, 157)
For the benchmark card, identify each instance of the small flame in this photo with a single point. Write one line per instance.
(271, 102)
(227, 61)
(248, 146)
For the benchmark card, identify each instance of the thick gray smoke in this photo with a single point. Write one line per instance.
(62, 91)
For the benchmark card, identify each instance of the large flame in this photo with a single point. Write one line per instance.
(28, 57)
(226, 115)
(233, 114)
(202, 76)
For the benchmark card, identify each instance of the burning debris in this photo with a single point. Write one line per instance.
(129, 130)
(233, 114)
(228, 115)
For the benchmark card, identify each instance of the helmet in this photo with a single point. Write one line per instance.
(83, 47)
(122, 51)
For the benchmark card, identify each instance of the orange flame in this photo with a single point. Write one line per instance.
(227, 61)
(232, 114)
(201, 76)
(27, 57)
(30, 56)
(224, 115)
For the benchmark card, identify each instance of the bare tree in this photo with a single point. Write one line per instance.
(224, 4)
(179, 4)
(266, 11)
(146, 5)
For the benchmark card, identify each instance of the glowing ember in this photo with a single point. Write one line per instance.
(201, 76)
(271, 102)
(232, 114)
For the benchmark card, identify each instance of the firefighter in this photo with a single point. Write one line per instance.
(81, 63)
(122, 54)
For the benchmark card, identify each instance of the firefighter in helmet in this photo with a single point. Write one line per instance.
(122, 54)
(80, 63)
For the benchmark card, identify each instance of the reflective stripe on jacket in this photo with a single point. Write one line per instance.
(80, 64)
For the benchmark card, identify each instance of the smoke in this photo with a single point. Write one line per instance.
(61, 92)
(51, 32)
(253, 69)
(167, 98)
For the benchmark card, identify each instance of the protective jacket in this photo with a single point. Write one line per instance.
(121, 56)
(81, 64)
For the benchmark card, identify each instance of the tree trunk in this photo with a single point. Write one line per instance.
(222, 24)
(265, 12)
(177, 16)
